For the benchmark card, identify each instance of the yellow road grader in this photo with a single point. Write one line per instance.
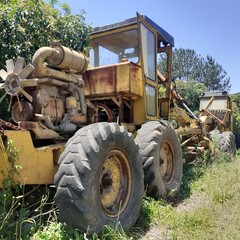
(96, 127)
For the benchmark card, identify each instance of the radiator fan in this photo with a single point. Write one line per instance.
(15, 80)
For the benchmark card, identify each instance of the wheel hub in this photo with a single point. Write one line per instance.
(115, 183)
(12, 84)
(166, 162)
(106, 182)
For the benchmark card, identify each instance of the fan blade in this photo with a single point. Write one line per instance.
(3, 74)
(10, 104)
(29, 83)
(26, 71)
(18, 65)
(19, 103)
(10, 65)
(26, 95)
(4, 95)
(2, 86)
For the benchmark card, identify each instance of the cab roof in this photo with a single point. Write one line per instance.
(165, 37)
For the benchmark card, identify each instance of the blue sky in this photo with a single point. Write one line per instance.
(208, 26)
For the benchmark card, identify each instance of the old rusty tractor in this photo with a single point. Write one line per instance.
(98, 128)
(211, 129)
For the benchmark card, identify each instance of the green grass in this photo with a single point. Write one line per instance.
(219, 216)
(208, 207)
(213, 209)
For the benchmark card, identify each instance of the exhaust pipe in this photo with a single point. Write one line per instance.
(59, 57)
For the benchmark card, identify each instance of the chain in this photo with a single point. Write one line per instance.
(7, 125)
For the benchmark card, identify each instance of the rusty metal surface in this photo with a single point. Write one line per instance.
(68, 59)
(100, 81)
(4, 125)
(40, 131)
(124, 78)
(25, 113)
(59, 57)
(104, 110)
(49, 102)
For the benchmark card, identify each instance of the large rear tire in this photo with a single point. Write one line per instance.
(161, 157)
(100, 179)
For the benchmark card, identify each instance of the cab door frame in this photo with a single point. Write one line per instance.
(148, 57)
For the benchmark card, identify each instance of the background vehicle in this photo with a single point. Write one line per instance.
(74, 124)
(211, 129)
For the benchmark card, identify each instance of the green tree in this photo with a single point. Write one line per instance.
(185, 64)
(188, 65)
(190, 91)
(215, 77)
(27, 25)
(236, 112)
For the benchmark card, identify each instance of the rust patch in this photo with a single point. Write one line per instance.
(29, 125)
(100, 81)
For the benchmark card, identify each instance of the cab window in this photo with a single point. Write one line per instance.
(148, 48)
(114, 48)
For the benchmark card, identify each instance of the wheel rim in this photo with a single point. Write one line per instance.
(115, 183)
(166, 161)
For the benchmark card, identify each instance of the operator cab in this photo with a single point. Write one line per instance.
(114, 43)
(123, 63)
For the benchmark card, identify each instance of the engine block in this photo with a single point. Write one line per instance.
(47, 99)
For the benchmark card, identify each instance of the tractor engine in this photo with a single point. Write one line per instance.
(47, 96)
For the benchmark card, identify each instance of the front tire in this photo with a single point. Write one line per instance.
(100, 179)
(162, 158)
